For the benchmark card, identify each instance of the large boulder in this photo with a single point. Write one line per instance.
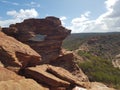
(11, 81)
(16, 54)
(67, 76)
(49, 32)
(67, 61)
(40, 74)
(54, 76)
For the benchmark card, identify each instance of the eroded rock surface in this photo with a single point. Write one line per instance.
(11, 81)
(67, 76)
(67, 61)
(40, 74)
(54, 76)
(6, 75)
(16, 54)
(49, 29)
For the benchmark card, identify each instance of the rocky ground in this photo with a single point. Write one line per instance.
(27, 64)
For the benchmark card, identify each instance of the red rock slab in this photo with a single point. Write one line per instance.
(16, 54)
(40, 74)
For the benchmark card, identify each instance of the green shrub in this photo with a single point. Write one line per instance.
(99, 69)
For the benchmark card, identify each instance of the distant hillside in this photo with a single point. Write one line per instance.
(97, 51)
(98, 43)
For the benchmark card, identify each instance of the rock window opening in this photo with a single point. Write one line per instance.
(38, 37)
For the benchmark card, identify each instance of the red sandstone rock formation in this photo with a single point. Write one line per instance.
(50, 47)
(16, 54)
(53, 33)
(54, 76)
(11, 81)
(40, 74)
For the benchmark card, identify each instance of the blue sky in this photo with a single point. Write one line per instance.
(77, 15)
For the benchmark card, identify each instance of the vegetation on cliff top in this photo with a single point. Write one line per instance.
(99, 69)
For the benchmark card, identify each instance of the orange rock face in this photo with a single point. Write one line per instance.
(50, 36)
(16, 54)
(11, 81)
(66, 61)
(6, 75)
(40, 74)
(55, 77)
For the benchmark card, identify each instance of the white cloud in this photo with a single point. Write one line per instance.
(23, 14)
(6, 23)
(107, 22)
(81, 23)
(63, 18)
(19, 16)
